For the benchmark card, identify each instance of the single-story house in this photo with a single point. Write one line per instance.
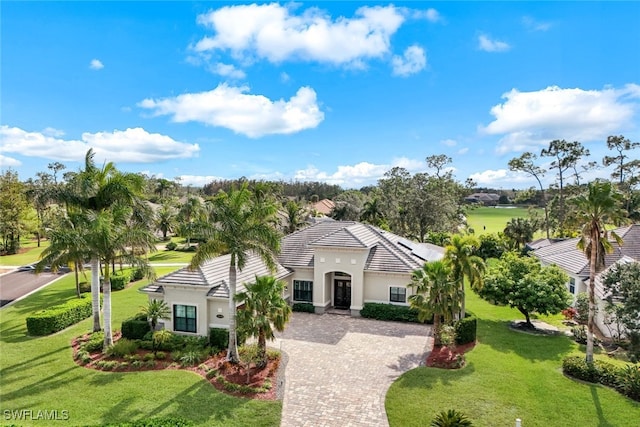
(573, 261)
(330, 264)
(487, 199)
(324, 207)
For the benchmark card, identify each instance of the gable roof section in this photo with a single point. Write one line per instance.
(567, 256)
(324, 206)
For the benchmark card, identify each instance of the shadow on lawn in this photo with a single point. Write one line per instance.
(602, 422)
(498, 336)
(426, 377)
(28, 364)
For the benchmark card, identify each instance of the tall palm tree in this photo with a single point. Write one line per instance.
(264, 310)
(372, 213)
(190, 217)
(459, 253)
(239, 227)
(599, 207)
(436, 294)
(295, 217)
(165, 220)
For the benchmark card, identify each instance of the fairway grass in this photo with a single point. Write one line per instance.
(487, 220)
(38, 373)
(508, 375)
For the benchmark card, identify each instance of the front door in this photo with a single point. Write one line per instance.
(342, 294)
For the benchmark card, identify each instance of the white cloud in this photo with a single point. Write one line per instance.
(49, 131)
(134, 145)
(9, 162)
(430, 15)
(232, 108)
(96, 64)
(529, 120)
(463, 151)
(197, 180)
(502, 177)
(488, 45)
(273, 32)
(533, 25)
(284, 77)
(449, 142)
(227, 70)
(352, 176)
(412, 61)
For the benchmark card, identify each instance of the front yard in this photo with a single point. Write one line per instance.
(508, 375)
(38, 373)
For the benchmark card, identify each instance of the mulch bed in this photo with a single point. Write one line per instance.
(448, 357)
(232, 373)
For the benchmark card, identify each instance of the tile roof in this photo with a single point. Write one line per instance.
(324, 206)
(214, 275)
(566, 255)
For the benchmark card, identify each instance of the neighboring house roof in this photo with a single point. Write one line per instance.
(483, 197)
(541, 243)
(388, 252)
(214, 274)
(324, 206)
(567, 256)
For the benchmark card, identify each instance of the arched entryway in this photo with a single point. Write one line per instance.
(341, 290)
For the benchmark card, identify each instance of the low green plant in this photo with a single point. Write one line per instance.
(303, 307)
(122, 347)
(94, 343)
(118, 282)
(191, 357)
(161, 340)
(83, 357)
(465, 329)
(150, 364)
(579, 334)
(137, 364)
(137, 274)
(211, 373)
(629, 381)
(398, 313)
(149, 356)
(451, 418)
(447, 335)
(161, 355)
(171, 246)
(59, 317)
(107, 365)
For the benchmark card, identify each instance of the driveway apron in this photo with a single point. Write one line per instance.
(340, 367)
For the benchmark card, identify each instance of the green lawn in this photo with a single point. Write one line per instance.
(39, 374)
(30, 256)
(164, 256)
(487, 220)
(508, 375)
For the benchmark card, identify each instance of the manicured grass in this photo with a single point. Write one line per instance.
(30, 256)
(508, 375)
(39, 374)
(487, 220)
(164, 256)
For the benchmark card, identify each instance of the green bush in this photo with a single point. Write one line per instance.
(218, 338)
(118, 282)
(171, 246)
(161, 355)
(451, 418)
(577, 367)
(137, 274)
(94, 343)
(154, 422)
(192, 357)
(122, 347)
(466, 329)
(135, 329)
(398, 313)
(629, 381)
(85, 287)
(59, 317)
(304, 307)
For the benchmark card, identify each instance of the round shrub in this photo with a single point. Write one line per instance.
(466, 329)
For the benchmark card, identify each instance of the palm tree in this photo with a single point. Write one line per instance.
(156, 309)
(239, 227)
(165, 220)
(372, 213)
(520, 231)
(436, 294)
(599, 207)
(95, 191)
(190, 217)
(295, 217)
(264, 310)
(451, 418)
(459, 253)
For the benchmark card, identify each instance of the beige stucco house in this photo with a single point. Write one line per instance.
(566, 255)
(330, 264)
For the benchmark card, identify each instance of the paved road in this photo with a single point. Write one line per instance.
(339, 367)
(19, 283)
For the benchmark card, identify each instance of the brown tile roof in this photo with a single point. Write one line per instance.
(324, 206)
(566, 255)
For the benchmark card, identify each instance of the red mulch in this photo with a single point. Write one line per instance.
(231, 372)
(448, 358)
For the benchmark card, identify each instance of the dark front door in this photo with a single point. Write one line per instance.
(342, 294)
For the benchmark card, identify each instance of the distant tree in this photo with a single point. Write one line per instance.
(526, 163)
(599, 207)
(263, 310)
(438, 162)
(520, 231)
(436, 294)
(491, 246)
(191, 216)
(13, 208)
(371, 212)
(622, 167)
(166, 220)
(522, 283)
(295, 217)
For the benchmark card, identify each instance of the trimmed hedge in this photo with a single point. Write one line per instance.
(398, 313)
(137, 274)
(219, 338)
(134, 328)
(118, 282)
(466, 329)
(625, 380)
(304, 307)
(59, 317)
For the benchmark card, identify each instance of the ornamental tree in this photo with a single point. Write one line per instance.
(522, 283)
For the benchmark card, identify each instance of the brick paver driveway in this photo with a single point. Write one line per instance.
(339, 367)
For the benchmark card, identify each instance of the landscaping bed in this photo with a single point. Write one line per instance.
(240, 380)
(447, 357)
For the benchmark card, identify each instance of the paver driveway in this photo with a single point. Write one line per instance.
(339, 367)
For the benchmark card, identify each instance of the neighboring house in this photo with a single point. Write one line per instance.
(573, 261)
(487, 199)
(324, 207)
(331, 264)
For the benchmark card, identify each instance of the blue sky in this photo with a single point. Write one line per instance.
(330, 91)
